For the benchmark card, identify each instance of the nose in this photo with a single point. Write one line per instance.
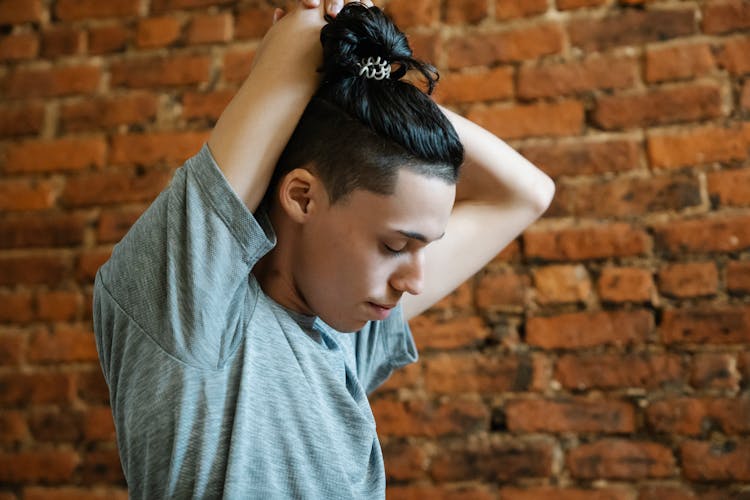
(409, 277)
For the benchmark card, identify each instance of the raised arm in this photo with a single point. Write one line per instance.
(498, 195)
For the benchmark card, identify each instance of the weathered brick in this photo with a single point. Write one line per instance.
(658, 107)
(722, 16)
(644, 370)
(24, 194)
(426, 419)
(18, 46)
(577, 4)
(745, 98)
(33, 269)
(408, 376)
(461, 373)
(52, 82)
(12, 347)
(171, 148)
(57, 305)
(738, 276)
(74, 493)
(236, 65)
(442, 492)
(626, 284)
(589, 329)
(107, 39)
(500, 290)
(583, 157)
(543, 119)
(210, 28)
(621, 459)
(482, 49)
(572, 415)
(458, 332)
(630, 27)
(716, 461)
(20, 389)
(16, 120)
(96, 114)
(596, 242)
(16, 307)
(494, 460)
(114, 224)
(729, 187)
(574, 77)
(717, 325)
(172, 5)
(727, 233)
(63, 40)
(102, 467)
(92, 387)
(426, 46)
(696, 146)
(660, 492)
(714, 371)
(161, 71)
(89, 263)
(64, 343)
(205, 105)
(509, 9)
(38, 465)
(74, 10)
(13, 428)
(55, 155)
(21, 11)
(98, 424)
(410, 13)
(27, 231)
(475, 86)
(466, 11)
(561, 284)
(253, 21)
(55, 425)
(694, 279)
(679, 62)
(733, 56)
(404, 461)
(156, 32)
(113, 187)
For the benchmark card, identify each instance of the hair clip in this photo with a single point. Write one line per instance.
(374, 68)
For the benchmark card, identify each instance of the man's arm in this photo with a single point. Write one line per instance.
(498, 195)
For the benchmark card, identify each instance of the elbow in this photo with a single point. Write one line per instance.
(545, 193)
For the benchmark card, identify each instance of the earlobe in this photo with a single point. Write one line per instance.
(297, 194)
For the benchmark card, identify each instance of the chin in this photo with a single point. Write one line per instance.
(344, 326)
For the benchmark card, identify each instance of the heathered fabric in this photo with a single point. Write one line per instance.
(216, 390)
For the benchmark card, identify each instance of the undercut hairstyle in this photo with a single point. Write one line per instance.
(357, 132)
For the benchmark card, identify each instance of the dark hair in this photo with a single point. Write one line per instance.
(358, 132)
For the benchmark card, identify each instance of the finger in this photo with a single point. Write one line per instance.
(278, 14)
(334, 6)
(310, 3)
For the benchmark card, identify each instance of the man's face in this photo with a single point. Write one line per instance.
(358, 256)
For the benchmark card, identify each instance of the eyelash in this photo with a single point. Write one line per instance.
(392, 251)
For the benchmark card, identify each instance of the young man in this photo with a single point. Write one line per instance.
(220, 319)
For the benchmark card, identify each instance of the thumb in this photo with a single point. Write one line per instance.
(278, 14)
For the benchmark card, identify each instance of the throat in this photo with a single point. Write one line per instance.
(278, 284)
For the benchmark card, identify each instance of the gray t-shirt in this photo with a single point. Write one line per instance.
(216, 390)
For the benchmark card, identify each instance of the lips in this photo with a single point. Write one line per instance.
(381, 311)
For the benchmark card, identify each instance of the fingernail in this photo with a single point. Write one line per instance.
(336, 6)
(277, 13)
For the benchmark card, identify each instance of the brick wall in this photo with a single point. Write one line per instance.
(602, 355)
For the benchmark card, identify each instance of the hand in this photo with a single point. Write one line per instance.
(332, 7)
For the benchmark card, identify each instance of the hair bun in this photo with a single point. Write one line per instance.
(359, 33)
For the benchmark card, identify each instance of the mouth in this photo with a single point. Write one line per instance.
(381, 311)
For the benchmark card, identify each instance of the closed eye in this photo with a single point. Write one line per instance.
(393, 251)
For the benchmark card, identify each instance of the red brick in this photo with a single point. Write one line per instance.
(466, 11)
(27, 118)
(408, 376)
(560, 493)
(738, 276)
(161, 71)
(113, 187)
(421, 418)
(171, 5)
(621, 459)
(718, 325)
(18, 46)
(727, 233)
(501, 290)
(205, 105)
(38, 388)
(697, 146)
(745, 99)
(542, 119)
(253, 22)
(722, 16)
(643, 370)
(733, 56)
(102, 467)
(98, 424)
(73, 10)
(625, 196)
(92, 387)
(404, 461)
(573, 415)
(55, 155)
(715, 371)
(680, 62)
(89, 263)
(236, 65)
(570, 78)
(729, 187)
(583, 157)
(27, 231)
(630, 27)
(55, 425)
(58, 305)
(458, 332)
(16, 307)
(107, 39)
(65, 343)
(716, 461)
(157, 32)
(484, 49)
(459, 374)
(62, 41)
(577, 4)
(170, 148)
(509, 9)
(442, 492)
(39, 465)
(52, 82)
(13, 428)
(409, 13)
(33, 269)
(24, 194)
(665, 493)
(426, 46)
(694, 279)
(658, 107)
(12, 347)
(107, 112)
(589, 329)
(626, 284)
(475, 86)
(74, 493)
(561, 284)
(113, 225)
(596, 242)
(210, 28)
(21, 11)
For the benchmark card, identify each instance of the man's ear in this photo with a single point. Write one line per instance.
(300, 193)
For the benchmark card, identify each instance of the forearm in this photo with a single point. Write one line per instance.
(494, 172)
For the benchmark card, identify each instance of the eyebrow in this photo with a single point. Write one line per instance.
(418, 236)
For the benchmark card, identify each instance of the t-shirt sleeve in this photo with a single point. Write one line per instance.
(381, 347)
(182, 271)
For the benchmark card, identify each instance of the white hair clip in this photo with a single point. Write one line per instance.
(376, 68)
